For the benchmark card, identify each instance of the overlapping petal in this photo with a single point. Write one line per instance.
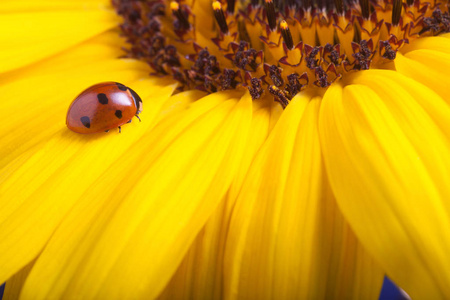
(47, 88)
(200, 275)
(46, 179)
(27, 44)
(136, 231)
(15, 6)
(386, 152)
(287, 239)
(427, 61)
(115, 216)
(13, 286)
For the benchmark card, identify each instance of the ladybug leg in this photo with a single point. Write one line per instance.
(129, 121)
(138, 118)
(120, 129)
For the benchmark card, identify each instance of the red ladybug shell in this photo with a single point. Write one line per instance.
(103, 106)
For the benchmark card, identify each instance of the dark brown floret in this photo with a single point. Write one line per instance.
(339, 4)
(230, 6)
(134, 16)
(156, 44)
(279, 96)
(332, 53)
(179, 76)
(294, 86)
(171, 57)
(286, 34)
(275, 75)
(363, 55)
(311, 60)
(153, 27)
(438, 22)
(396, 11)
(322, 77)
(244, 57)
(228, 79)
(365, 8)
(255, 88)
(220, 17)
(270, 13)
(166, 35)
(157, 9)
(181, 23)
(389, 53)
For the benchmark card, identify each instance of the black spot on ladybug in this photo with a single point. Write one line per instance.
(137, 99)
(121, 86)
(102, 98)
(86, 121)
(118, 114)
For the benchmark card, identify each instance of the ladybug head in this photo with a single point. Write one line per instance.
(137, 101)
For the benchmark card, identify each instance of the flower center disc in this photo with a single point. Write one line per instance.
(280, 47)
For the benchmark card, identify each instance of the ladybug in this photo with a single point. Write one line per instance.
(102, 107)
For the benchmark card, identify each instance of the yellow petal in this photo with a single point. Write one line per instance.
(12, 6)
(51, 86)
(102, 47)
(430, 101)
(437, 43)
(200, 275)
(388, 164)
(287, 239)
(41, 175)
(132, 231)
(14, 285)
(27, 43)
(429, 67)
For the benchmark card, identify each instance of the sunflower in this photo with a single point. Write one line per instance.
(288, 149)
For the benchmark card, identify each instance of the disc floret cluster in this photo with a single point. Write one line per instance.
(277, 47)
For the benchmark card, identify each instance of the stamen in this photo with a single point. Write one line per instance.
(279, 96)
(230, 6)
(311, 59)
(389, 53)
(437, 22)
(251, 57)
(220, 17)
(332, 54)
(242, 30)
(365, 8)
(174, 6)
(271, 16)
(274, 74)
(396, 11)
(339, 6)
(287, 36)
(255, 88)
(363, 55)
(306, 4)
(243, 57)
(322, 77)
(183, 23)
(294, 86)
(228, 79)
